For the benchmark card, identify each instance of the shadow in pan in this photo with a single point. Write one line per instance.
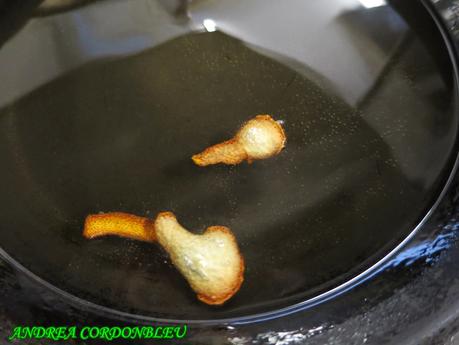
(14, 15)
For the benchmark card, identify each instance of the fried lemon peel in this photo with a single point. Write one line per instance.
(210, 262)
(119, 224)
(259, 138)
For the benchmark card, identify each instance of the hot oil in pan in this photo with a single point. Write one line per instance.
(118, 135)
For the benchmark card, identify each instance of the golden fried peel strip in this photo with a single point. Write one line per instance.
(259, 138)
(228, 152)
(119, 224)
(211, 263)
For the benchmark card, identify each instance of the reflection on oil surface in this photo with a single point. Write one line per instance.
(111, 112)
(363, 39)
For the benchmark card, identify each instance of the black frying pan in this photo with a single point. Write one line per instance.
(117, 133)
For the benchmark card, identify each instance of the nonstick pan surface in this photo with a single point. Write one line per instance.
(369, 147)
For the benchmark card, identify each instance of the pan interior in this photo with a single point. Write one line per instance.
(361, 166)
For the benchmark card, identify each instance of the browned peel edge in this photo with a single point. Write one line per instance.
(238, 156)
(219, 300)
(165, 214)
